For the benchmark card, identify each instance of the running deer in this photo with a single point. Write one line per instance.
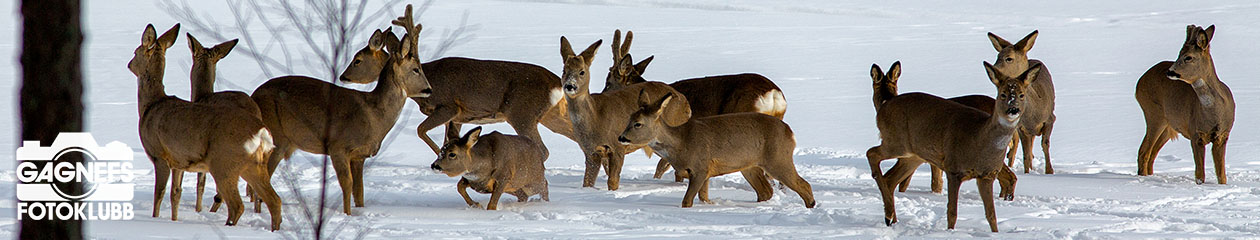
(966, 143)
(202, 76)
(345, 124)
(1186, 97)
(1038, 116)
(597, 118)
(175, 136)
(753, 144)
(494, 163)
(473, 91)
(885, 86)
(712, 95)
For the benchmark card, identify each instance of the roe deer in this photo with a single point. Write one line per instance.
(1186, 97)
(345, 124)
(473, 91)
(712, 95)
(494, 163)
(963, 141)
(885, 86)
(1038, 117)
(177, 135)
(598, 118)
(753, 144)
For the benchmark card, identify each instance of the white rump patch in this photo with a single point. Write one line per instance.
(772, 103)
(556, 96)
(260, 142)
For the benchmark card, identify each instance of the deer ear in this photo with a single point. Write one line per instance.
(470, 139)
(644, 100)
(642, 65)
(876, 72)
(566, 50)
(223, 49)
(1030, 75)
(1027, 43)
(194, 45)
(998, 42)
(1202, 37)
(377, 41)
(167, 39)
(149, 37)
(392, 44)
(894, 72)
(589, 53)
(674, 109)
(994, 75)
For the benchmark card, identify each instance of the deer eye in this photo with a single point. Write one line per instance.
(415, 70)
(1189, 59)
(1002, 95)
(1021, 95)
(582, 73)
(1010, 59)
(450, 155)
(356, 62)
(638, 125)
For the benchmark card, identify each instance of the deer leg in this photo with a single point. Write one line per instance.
(462, 187)
(901, 172)
(661, 167)
(593, 160)
(951, 213)
(441, 115)
(177, 180)
(341, 165)
(1006, 179)
(495, 194)
(529, 130)
(161, 173)
(903, 180)
(1045, 142)
(985, 184)
(1165, 135)
(356, 170)
(695, 182)
(201, 189)
(1197, 145)
(704, 193)
(757, 178)
(615, 161)
(1218, 157)
(259, 181)
(1025, 142)
(875, 156)
(938, 181)
(1011, 149)
(783, 170)
(225, 182)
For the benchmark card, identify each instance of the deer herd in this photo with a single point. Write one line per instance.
(701, 127)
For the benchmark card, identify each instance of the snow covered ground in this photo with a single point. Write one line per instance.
(819, 52)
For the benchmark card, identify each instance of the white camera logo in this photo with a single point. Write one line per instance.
(105, 174)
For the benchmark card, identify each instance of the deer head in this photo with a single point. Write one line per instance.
(1194, 62)
(624, 71)
(1010, 99)
(1012, 59)
(456, 157)
(576, 77)
(653, 115)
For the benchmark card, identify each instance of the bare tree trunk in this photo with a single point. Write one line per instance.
(52, 89)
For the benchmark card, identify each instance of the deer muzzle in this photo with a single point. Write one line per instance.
(623, 140)
(1173, 75)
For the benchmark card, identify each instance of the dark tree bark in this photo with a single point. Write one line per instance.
(52, 89)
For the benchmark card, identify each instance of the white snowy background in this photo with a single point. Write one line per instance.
(819, 52)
